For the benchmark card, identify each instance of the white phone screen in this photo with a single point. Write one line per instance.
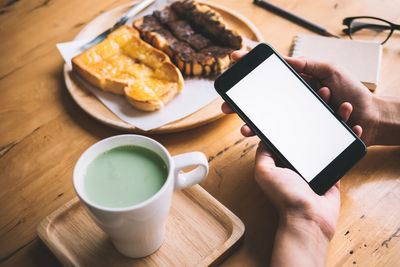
(305, 132)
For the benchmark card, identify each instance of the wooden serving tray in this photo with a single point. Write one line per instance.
(200, 232)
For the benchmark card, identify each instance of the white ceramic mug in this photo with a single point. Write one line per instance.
(138, 230)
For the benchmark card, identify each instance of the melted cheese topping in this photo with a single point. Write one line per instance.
(120, 56)
(150, 89)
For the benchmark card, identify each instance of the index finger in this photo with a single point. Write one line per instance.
(264, 157)
(238, 54)
(226, 108)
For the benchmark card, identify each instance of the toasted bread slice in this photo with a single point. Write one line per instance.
(193, 35)
(124, 64)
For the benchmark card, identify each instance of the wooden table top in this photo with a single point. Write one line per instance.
(43, 132)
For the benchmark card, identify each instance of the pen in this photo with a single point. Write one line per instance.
(296, 19)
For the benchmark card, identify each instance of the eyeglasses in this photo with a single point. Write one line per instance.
(369, 28)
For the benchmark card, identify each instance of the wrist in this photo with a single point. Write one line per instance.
(303, 239)
(306, 227)
(386, 121)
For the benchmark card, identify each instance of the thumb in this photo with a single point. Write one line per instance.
(318, 70)
(264, 158)
(266, 173)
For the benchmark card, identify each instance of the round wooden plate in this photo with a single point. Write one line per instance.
(89, 103)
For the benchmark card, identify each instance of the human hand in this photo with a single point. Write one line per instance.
(307, 221)
(292, 196)
(337, 88)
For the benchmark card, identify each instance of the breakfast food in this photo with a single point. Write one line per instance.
(126, 65)
(193, 35)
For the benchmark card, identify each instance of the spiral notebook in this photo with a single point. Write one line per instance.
(361, 58)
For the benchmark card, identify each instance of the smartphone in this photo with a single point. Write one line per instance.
(290, 118)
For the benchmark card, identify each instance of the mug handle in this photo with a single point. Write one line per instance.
(186, 179)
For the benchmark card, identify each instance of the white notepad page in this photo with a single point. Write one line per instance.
(362, 58)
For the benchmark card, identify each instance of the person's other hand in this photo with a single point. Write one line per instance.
(292, 196)
(307, 221)
(337, 88)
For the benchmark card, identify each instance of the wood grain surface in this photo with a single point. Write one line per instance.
(43, 132)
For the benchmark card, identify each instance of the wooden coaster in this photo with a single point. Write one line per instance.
(200, 231)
